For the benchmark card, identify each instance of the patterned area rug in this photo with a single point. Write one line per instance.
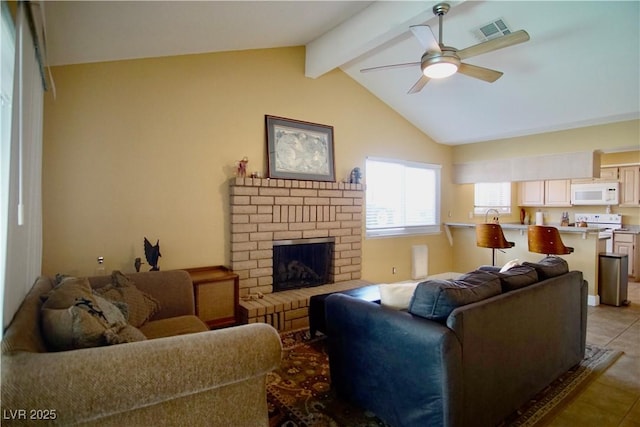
(299, 393)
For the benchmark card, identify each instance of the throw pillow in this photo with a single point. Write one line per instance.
(141, 306)
(397, 295)
(510, 264)
(436, 299)
(72, 317)
(65, 293)
(550, 266)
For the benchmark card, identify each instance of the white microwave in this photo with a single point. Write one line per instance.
(597, 193)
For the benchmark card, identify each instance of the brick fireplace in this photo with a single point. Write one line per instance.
(267, 210)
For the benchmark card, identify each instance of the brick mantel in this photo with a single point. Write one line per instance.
(264, 210)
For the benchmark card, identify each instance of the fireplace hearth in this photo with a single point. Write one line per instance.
(302, 263)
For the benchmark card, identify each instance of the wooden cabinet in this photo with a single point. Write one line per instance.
(609, 174)
(627, 243)
(216, 291)
(629, 185)
(555, 192)
(531, 193)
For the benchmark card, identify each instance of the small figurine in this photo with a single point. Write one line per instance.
(152, 253)
(137, 264)
(242, 167)
(355, 176)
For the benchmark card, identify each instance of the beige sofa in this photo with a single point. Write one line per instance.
(183, 374)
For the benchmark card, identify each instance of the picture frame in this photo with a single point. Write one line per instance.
(299, 150)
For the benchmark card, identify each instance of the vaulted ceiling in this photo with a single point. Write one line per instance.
(580, 67)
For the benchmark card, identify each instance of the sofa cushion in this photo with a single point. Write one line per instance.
(172, 326)
(517, 277)
(141, 306)
(72, 317)
(550, 266)
(397, 295)
(436, 299)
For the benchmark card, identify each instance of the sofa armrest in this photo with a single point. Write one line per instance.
(94, 384)
(405, 369)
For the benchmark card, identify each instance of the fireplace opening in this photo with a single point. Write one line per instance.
(302, 263)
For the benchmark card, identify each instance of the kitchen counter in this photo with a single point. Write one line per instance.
(629, 229)
(523, 227)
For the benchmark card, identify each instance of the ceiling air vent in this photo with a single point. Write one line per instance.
(493, 29)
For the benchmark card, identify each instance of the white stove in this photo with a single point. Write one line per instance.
(606, 222)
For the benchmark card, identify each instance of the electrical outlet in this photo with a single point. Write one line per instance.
(470, 214)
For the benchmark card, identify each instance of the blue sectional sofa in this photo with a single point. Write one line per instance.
(466, 352)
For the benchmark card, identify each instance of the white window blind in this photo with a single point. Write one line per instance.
(24, 207)
(402, 197)
(492, 195)
(7, 57)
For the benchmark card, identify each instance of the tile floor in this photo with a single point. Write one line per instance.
(614, 398)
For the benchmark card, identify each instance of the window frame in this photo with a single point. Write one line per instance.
(406, 230)
(503, 209)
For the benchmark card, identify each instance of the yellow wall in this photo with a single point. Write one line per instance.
(621, 158)
(146, 148)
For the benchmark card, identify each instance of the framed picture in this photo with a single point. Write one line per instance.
(299, 150)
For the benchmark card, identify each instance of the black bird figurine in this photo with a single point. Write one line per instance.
(152, 253)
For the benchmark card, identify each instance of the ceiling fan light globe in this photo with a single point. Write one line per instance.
(440, 70)
(439, 65)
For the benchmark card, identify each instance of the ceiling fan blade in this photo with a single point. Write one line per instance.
(426, 38)
(389, 67)
(486, 74)
(519, 36)
(423, 80)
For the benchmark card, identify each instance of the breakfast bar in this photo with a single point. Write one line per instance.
(586, 242)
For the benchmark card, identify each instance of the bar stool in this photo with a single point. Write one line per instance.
(491, 236)
(546, 240)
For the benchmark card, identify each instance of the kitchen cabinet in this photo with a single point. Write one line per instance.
(627, 243)
(609, 174)
(531, 193)
(555, 192)
(629, 185)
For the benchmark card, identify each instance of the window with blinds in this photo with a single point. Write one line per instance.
(7, 62)
(492, 195)
(402, 197)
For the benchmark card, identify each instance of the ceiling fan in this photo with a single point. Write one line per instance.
(440, 61)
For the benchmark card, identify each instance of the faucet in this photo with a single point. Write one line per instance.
(495, 219)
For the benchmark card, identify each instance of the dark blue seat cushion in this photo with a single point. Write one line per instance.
(517, 277)
(436, 299)
(550, 266)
